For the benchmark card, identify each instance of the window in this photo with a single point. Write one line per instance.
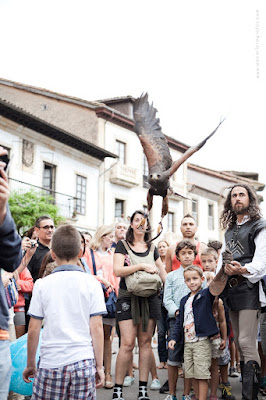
(121, 151)
(170, 222)
(119, 208)
(48, 180)
(145, 168)
(210, 217)
(81, 195)
(195, 210)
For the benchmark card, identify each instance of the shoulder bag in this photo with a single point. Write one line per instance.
(142, 283)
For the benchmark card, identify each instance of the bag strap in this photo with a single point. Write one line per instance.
(125, 243)
(93, 262)
(126, 246)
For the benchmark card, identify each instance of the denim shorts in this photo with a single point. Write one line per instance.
(175, 357)
(123, 308)
(225, 358)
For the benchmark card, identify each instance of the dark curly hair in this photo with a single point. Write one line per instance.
(229, 217)
(130, 234)
(185, 244)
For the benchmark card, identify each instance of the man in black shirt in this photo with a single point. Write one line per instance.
(44, 227)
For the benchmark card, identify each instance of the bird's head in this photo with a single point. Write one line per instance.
(158, 180)
(155, 177)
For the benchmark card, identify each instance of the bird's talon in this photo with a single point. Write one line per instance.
(160, 228)
(142, 222)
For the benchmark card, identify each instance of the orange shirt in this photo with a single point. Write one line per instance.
(26, 283)
(104, 267)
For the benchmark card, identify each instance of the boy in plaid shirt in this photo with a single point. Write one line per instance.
(71, 303)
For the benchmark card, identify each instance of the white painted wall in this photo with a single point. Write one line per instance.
(69, 162)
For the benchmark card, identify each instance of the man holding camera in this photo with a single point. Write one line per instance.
(44, 228)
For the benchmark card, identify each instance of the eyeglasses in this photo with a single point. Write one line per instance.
(46, 227)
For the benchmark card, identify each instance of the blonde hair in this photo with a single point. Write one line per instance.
(209, 274)
(195, 268)
(210, 251)
(163, 241)
(102, 231)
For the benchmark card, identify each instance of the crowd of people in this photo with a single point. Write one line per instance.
(198, 298)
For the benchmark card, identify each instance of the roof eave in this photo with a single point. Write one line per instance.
(21, 117)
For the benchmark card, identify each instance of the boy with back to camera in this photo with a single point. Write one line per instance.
(175, 289)
(194, 326)
(71, 303)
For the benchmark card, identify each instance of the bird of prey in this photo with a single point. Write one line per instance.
(160, 163)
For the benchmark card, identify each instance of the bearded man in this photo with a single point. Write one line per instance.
(245, 237)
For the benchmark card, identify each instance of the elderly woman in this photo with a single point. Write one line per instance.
(99, 258)
(136, 316)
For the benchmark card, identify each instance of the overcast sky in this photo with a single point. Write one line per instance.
(198, 60)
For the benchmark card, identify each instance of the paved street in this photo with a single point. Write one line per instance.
(130, 393)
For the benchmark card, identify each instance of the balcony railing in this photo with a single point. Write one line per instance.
(65, 202)
(124, 175)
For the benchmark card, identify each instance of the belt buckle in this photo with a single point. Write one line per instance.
(233, 282)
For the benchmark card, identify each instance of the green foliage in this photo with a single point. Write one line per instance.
(27, 207)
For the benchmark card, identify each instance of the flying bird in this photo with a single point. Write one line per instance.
(160, 163)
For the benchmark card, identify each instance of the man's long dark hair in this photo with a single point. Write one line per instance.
(130, 233)
(228, 216)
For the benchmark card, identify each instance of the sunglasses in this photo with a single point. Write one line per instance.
(46, 227)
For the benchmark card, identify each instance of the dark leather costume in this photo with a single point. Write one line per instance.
(240, 293)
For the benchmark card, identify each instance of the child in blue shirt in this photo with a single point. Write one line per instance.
(194, 326)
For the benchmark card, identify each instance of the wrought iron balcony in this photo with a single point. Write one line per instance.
(65, 202)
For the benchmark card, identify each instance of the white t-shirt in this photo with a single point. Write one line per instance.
(189, 325)
(66, 299)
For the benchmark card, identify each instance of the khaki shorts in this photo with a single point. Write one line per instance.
(197, 359)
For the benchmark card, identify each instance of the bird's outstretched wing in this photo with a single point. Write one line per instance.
(148, 129)
(189, 153)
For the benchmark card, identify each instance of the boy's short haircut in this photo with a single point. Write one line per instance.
(195, 268)
(185, 244)
(210, 251)
(66, 242)
(215, 244)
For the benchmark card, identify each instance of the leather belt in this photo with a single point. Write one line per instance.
(232, 282)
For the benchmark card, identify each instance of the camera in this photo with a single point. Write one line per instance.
(5, 159)
(33, 243)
